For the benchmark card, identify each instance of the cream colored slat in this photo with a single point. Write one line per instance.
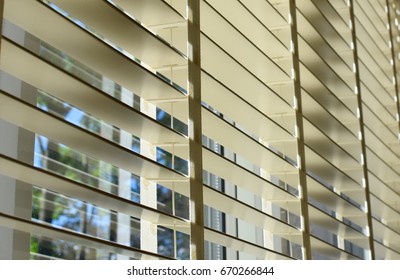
(334, 226)
(242, 246)
(331, 252)
(329, 123)
(377, 63)
(240, 210)
(238, 46)
(276, 3)
(243, 178)
(385, 253)
(395, 186)
(389, 237)
(341, 6)
(34, 17)
(385, 214)
(247, 24)
(282, 6)
(374, 142)
(167, 19)
(226, 70)
(27, 116)
(50, 181)
(122, 31)
(393, 125)
(332, 152)
(378, 7)
(376, 67)
(374, 124)
(338, 57)
(379, 167)
(381, 70)
(332, 176)
(277, 20)
(331, 16)
(151, 13)
(334, 202)
(385, 97)
(311, 22)
(33, 70)
(229, 136)
(178, 74)
(365, 38)
(260, 8)
(362, 19)
(49, 231)
(252, 119)
(322, 70)
(378, 17)
(376, 106)
(345, 113)
(384, 192)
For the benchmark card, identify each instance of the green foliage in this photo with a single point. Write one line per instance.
(37, 196)
(34, 244)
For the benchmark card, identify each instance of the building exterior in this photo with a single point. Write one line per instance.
(199, 129)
